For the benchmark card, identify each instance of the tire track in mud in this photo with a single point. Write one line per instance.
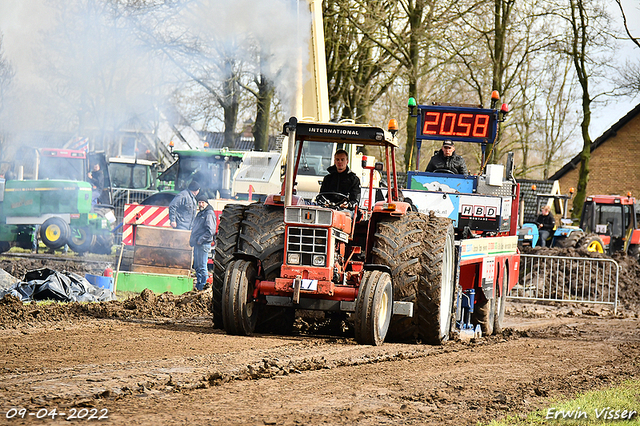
(119, 379)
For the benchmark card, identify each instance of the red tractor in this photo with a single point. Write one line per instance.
(610, 224)
(382, 266)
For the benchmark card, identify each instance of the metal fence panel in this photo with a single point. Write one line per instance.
(127, 196)
(567, 279)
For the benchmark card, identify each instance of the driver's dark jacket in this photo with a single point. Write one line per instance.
(455, 163)
(548, 222)
(346, 183)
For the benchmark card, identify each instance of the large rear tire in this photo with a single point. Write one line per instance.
(419, 250)
(262, 237)
(103, 242)
(226, 245)
(81, 240)
(239, 310)
(374, 306)
(55, 233)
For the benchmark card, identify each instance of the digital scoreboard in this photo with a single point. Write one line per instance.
(457, 124)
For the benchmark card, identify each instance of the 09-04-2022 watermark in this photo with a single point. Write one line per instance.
(606, 413)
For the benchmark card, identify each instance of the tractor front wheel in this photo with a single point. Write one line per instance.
(226, 245)
(55, 233)
(591, 243)
(374, 306)
(239, 310)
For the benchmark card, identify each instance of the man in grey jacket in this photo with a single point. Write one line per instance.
(184, 207)
(204, 228)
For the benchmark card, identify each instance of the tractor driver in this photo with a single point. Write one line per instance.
(341, 180)
(546, 222)
(447, 160)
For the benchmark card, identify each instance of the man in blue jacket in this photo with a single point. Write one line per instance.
(184, 207)
(204, 228)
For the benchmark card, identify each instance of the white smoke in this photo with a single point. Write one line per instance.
(85, 64)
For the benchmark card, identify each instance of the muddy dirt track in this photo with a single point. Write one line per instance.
(155, 360)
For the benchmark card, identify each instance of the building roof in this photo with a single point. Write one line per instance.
(529, 196)
(611, 132)
(242, 143)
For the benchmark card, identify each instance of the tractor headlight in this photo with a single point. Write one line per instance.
(293, 258)
(528, 237)
(318, 260)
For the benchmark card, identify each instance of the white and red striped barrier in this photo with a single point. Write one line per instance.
(136, 214)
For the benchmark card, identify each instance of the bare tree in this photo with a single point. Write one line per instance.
(99, 74)
(635, 40)
(631, 72)
(559, 121)
(408, 33)
(586, 37)
(6, 77)
(359, 71)
(498, 53)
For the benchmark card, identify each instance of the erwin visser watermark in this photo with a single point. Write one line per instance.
(607, 413)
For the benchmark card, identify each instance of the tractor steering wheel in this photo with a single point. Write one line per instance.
(444, 171)
(323, 199)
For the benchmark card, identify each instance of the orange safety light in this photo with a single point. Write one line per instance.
(171, 143)
(393, 127)
(495, 95)
(534, 187)
(572, 190)
(629, 194)
(206, 144)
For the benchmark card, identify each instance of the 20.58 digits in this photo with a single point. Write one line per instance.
(461, 124)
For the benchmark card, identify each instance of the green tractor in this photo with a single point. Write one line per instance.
(60, 207)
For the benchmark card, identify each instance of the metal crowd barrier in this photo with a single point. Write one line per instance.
(567, 279)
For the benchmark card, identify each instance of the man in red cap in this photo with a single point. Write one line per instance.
(447, 161)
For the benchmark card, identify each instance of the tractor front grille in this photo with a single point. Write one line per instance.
(307, 242)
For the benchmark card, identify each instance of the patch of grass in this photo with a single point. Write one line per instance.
(591, 408)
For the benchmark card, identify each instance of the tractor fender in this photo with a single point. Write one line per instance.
(377, 267)
(245, 256)
(397, 208)
(532, 229)
(564, 231)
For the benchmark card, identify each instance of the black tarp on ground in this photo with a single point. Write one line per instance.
(47, 284)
